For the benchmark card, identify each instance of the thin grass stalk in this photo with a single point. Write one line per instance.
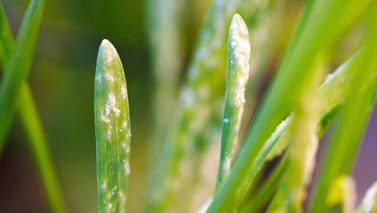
(32, 126)
(263, 195)
(237, 77)
(16, 72)
(113, 130)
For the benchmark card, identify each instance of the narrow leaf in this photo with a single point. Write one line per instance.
(19, 65)
(32, 126)
(113, 130)
(237, 76)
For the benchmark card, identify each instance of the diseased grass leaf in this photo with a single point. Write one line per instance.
(237, 77)
(113, 130)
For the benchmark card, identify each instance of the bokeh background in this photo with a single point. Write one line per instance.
(62, 80)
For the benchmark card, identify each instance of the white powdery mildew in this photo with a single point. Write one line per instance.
(124, 92)
(109, 77)
(226, 120)
(240, 52)
(127, 167)
(281, 144)
(104, 118)
(227, 163)
(109, 57)
(111, 105)
(99, 79)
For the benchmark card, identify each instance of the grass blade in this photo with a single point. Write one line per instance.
(237, 76)
(303, 144)
(262, 196)
(369, 202)
(32, 126)
(6, 39)
(17, 72)
(113, 130)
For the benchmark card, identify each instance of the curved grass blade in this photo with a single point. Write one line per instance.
(32, 126)
(263, 195)
(352, 122)
(19, 65)
(113, 130)
(237, 76)
(369, 202)
(342, 196)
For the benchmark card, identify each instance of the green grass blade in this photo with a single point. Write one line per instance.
(6, 39)
(166, 40)
(32, 126)
(369, 202)
(38, 145)
(303, 144)
(342, 196)
(237, 76)
(351, 124)
(113, 130)
(17, 72)
(262, 196)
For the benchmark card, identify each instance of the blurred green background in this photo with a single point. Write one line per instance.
(62, 80)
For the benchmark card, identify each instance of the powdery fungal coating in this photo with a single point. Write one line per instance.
(240, 58)
(112, 130)
(226, 120)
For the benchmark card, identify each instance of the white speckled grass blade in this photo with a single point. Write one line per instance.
(237, 77)
(113, 130)
(341, 196)
(369, 202)
(200, 95)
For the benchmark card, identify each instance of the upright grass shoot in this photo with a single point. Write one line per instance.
(30, 120)
(16, 72)
(237, 77)
(113, 130)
